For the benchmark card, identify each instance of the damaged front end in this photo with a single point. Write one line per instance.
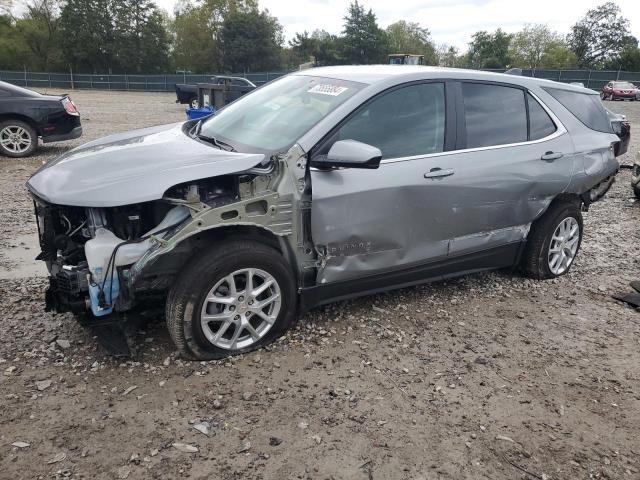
(115, 258)
(88, 251)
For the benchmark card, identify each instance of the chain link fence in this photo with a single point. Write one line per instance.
(148, 83)
(594, 79)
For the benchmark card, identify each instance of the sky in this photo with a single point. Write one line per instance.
(450, 21)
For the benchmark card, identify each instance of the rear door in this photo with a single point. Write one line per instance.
(511, 159)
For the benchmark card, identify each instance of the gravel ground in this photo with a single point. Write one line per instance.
(490, 376)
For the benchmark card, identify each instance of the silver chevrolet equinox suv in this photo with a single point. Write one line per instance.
(319, 186)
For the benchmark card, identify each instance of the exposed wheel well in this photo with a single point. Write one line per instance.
(161, 273)
(22, 118)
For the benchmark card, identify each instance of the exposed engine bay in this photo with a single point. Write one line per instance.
(111, 258)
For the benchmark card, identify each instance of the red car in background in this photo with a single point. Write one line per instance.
(619, 90)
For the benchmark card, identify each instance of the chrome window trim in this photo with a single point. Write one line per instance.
(560, 130)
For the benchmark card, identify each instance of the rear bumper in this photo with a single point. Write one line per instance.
(75, 133)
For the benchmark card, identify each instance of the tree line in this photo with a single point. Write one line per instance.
(202, 36)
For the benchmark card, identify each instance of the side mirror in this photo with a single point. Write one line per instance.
(350, 154)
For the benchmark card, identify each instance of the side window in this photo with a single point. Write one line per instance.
(401, 123)
(493, 114)
(540, 123)
(585, 107)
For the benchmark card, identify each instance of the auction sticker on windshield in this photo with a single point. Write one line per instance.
(327, 89)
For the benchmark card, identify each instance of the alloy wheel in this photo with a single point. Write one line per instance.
(240, 309)
(564, 245)
(15, 139)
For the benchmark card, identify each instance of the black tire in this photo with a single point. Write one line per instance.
(29, 131)
(603, 96)
(636, 191)
(187, 296)
(535, 259)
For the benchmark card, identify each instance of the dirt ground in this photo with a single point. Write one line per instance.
(490, 376)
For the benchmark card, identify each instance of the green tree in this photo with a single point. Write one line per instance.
(197, 29)
(558, 55)
(251, 41)
(448, 56)
(88, 35)
(40, 31)
(363, 42)
(304, 47)
(529, 45)
(410, 37)
(194, 47)
(13, 50)
(328, 48)
(628, 59)
(599, 36)
(141, 37)
(489, 50)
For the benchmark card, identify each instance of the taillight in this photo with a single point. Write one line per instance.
(69, 106)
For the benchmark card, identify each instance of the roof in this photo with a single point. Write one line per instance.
(396, 74)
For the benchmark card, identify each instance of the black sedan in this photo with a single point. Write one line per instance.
(26, 115)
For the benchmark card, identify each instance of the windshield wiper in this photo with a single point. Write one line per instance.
(214, 141)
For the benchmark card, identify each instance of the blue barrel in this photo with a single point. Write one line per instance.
(195, 113)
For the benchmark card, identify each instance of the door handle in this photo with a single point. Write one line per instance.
(550, 156)
(437, 173)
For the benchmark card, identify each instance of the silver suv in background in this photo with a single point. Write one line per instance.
(323, 185)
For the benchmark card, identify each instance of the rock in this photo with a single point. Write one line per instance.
(154, 452)
(20, 444)
(184, 447)
(129, 390)
(505, 438)
(317, 439)
(303, 425)
(275, 441)
(244, 446)
(10, 370)
(63, 344)
(247, 396)
(203, 427)
(481, 361)
(217, 404)
(167, 361)
(59, 457)
(124, 472)
(43, 384)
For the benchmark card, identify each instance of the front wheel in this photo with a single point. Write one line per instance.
(235, 298)
(554, 241)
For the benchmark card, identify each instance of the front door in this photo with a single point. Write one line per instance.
(370, 221)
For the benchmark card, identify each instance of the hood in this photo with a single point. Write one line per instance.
(133, 167)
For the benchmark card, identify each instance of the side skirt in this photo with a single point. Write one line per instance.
(494, 258)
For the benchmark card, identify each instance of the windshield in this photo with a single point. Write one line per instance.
(276, 115)
(624, 85)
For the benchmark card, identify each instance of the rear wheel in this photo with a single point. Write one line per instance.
(236, 298)
(554, 241)
(17, 139)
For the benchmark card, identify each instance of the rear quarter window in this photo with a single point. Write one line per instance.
(585, 107)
